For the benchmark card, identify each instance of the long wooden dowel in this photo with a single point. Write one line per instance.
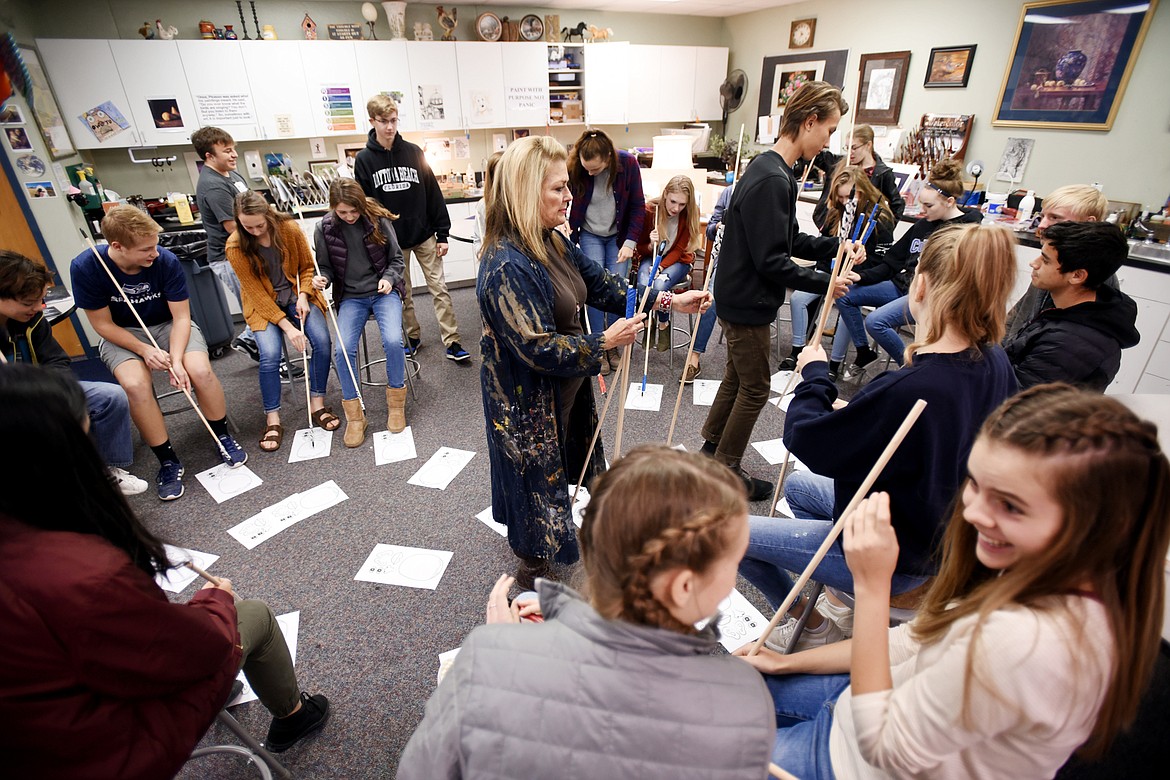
(344, 352)
(622, 390)
(305, 367)
(824, 314)
(690, 351)
(867, 483)
(777, 772)
(617, 382)
(170, 369)
(779, 494)
(213, 580)
(738, 153)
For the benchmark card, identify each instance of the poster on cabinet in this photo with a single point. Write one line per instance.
(224, 109)
(105, 121)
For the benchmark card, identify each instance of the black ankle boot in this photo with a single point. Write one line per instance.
(865, 356)
(789, 363)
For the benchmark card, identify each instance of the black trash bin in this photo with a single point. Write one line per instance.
(209, 306)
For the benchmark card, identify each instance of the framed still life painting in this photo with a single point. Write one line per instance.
(1070, 63)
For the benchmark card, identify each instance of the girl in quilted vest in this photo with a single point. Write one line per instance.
(358, 253)
(619, 683)
(1039, 634)
(271, 257)
(674, 217)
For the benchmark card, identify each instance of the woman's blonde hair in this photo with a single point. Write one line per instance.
(512, 208)
(863, 133)
(1104, 467)
(815, 98)
(971, 269)
(252, 203)
(689, 216)
(867, 197)
(350, 193)
(657, 509)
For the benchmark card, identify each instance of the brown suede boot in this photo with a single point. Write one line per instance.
(395, 409)
(615, 358)
(355, 423)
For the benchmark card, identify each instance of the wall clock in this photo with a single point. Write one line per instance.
(531, 28)
(801, 35)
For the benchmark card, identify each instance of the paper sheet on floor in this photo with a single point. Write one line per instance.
(290, 626)
(309, 444)
(445, 661)
(488, 519)
(780, 381)
(783, 403)
(272, 520)
(783, 509)
(177, 580)
(394, 447)
(774, 451)
(412, 567)
(223, 482)
(704, 390)
(443, 467)
(650, 401)
(739, 622)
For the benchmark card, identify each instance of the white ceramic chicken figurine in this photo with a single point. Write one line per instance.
(166, 33)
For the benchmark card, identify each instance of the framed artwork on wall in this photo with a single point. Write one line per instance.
(786, 69)
(1070, 63)
(949, 66)
(44, 106)
(882, 84)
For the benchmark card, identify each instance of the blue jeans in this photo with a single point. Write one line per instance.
(707, 319)
(109, 422)
(883, 324)
(667, 279)
(351, 320)
(270, 342)
(799, 303)
(603, 250)
(804, 717)
(779, 545)
(851, 323)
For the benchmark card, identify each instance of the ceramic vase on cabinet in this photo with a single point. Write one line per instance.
(396, 18)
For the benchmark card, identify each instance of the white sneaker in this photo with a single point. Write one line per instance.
(826, 634)
(129, 484)
(842, 615)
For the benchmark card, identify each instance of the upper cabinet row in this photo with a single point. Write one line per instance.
(165, 90)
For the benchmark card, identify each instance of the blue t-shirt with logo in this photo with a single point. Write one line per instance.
(149, 290)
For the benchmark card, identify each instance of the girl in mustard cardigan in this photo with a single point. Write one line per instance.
(269, 253)
(675, 217)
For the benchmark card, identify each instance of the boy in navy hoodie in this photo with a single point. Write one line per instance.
(394, 172)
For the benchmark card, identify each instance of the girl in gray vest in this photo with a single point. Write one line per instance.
(619, 684)
(356, 247)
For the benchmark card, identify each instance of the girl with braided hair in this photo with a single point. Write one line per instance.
(1039, 634)
(622, 683)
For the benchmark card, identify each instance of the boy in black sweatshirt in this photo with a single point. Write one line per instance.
(393, 171)
(760, 238)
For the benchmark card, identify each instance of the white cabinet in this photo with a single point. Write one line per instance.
(275, 75)
(219, 87)
(710, 71)
(481, 83)
(331, 80)
(645, 76)
(383, 67)
(434, 84)
(676, 83)
(525, 84)
(89, 92)
(156, 90)
(607, 73)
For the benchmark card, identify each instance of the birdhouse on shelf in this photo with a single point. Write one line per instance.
(310, 28)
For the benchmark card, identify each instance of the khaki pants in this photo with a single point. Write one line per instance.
(432, 266)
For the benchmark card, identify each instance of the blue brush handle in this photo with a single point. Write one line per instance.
(857, 227)
(872, 224)
(631, 301)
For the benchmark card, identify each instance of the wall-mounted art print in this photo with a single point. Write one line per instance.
(949, 66)
(1070, 63)
(782, 69)
(883, 82)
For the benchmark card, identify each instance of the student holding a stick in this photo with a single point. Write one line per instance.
(152, 291)
(760, 238)
(848, 183)
(103, 676)
(660, 539)
(861, 155)
(357, 252)
(959, 298)
(1037, 637)
(537, 357)
(673, 216)
(271, 258)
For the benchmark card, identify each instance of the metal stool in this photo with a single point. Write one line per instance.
(158, 397)
(681, 287)
(260, 758)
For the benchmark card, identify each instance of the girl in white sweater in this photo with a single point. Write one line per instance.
(1038, 636)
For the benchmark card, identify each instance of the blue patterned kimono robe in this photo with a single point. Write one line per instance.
(524, 359)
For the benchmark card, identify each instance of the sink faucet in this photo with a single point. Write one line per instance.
(1139, 230)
